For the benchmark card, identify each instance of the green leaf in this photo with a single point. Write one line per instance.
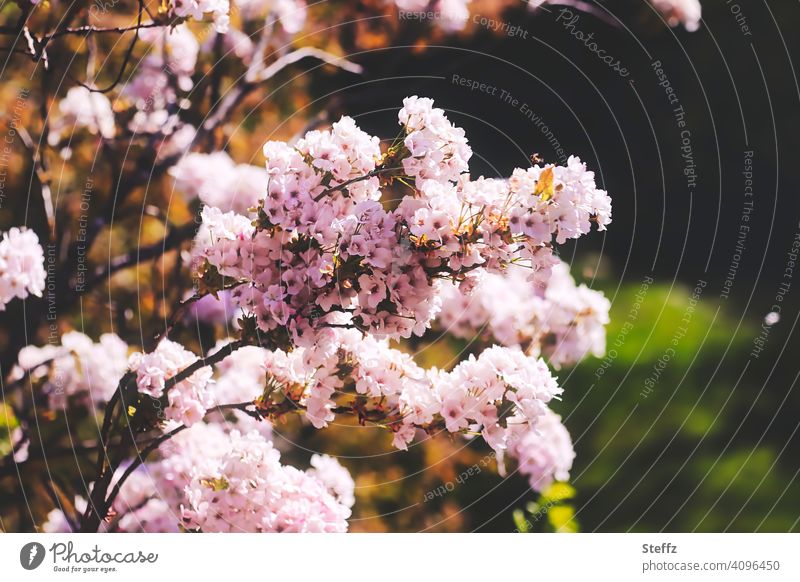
(215, 483)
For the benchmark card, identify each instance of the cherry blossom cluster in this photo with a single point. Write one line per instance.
(501, 395)
(173, 49)
(249, 490)
(78, 369)
(334, 477)
(324, 252)
(219, 182)
(437, 150)
(561, 321)
(544, 454)
(216, 478)
(558, 201)
(497, 392)
(82, 108)
(152, 93)
(22, 271)
(188, 400)
(352, 368)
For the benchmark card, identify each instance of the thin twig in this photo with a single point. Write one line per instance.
(345, 184)
(88, 29)
(138, 462)
(128, 55)
(202, 362)
(157, 443)
(235, 96)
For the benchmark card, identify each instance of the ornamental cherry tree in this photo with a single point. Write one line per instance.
(326, 274)
(323, 264)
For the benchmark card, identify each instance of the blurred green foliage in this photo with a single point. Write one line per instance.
(552, 512)
(708, 448)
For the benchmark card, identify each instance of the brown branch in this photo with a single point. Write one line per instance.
(104, 469)
(128, 55)
(40, 168)
(139, 461)
(202, 362)
(236, 95)
(99, 504)
(86, 30)
(171, 241)
(343, 185)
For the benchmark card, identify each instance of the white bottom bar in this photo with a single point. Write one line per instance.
(379, 557)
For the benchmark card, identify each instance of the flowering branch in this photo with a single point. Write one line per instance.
(153, 446)
(97, 508)
(339, 187)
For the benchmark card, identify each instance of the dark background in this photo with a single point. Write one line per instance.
(714, 447)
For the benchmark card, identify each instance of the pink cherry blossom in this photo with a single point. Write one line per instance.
(22, 270)
(189, 399)
(544, 453)
(82, 108)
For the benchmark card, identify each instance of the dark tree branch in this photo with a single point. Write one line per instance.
(99, 504)
(139, 461)
(40, 167)
(87, 30)
(174, 238)
(128, 55)
(343, 185)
